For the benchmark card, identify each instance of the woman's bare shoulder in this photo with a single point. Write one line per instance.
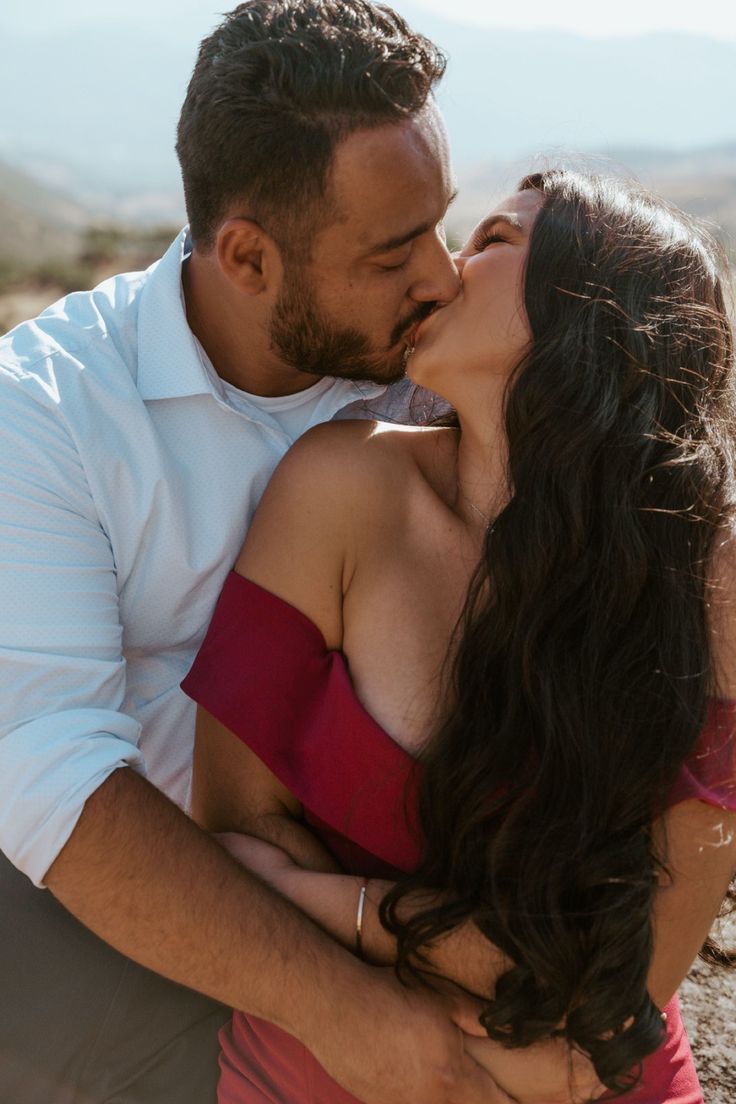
(363, 438)
(358, 458)
(326, 493)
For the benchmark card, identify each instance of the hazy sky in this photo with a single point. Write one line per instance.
(716, 18)
(588, 17)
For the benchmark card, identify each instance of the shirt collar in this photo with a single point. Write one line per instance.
(169, 361)
(169, 365)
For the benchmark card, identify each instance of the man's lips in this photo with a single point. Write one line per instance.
(413, 334)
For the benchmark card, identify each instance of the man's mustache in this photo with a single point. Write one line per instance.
(417, 316)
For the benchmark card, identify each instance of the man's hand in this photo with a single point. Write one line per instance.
(394, 1045)
(409, 1045)
(142, 876)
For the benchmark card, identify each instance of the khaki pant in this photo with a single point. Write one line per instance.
(82, 1024)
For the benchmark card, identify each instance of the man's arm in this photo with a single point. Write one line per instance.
(147, 880)
(114, 850)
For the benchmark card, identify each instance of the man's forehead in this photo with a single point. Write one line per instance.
(390, 182)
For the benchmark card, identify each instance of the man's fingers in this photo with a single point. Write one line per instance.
(464, 1011)
(462, 1007)
(481, 1086)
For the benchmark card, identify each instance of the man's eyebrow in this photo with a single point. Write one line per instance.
(403, 239)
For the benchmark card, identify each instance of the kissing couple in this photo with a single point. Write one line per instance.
(464, 669)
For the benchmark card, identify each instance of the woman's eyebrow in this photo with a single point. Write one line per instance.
(510, 220)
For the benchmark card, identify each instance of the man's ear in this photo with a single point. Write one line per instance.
(248, 257)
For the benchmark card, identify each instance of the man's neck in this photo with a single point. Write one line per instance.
(236, 339)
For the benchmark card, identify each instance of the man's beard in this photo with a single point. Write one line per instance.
(308, 341)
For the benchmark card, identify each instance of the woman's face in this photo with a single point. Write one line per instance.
(482, 334)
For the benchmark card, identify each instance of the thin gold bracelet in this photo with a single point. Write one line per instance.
(359, 919)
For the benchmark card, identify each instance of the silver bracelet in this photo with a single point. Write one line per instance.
(359, 919)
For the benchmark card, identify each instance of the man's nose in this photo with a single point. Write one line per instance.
(440, 280)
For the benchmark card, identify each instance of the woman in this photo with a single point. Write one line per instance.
(534, 605)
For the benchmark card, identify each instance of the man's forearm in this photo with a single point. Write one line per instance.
(464, 955)
(546, 1073)
(143, 877)
(147, 880)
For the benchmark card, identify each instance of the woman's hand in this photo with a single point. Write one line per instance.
(544, 1073)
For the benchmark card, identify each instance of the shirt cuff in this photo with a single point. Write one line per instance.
(48, 769)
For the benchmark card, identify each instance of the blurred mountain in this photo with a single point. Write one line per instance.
(514, 93)
(92, 93)
(36, 222)
(701, 181)
(93, 110)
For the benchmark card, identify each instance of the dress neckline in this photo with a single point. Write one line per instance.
(338, 656)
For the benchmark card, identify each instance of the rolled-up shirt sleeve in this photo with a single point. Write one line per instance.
(62, 671)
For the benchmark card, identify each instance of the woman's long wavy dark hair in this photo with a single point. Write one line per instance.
(583, 663)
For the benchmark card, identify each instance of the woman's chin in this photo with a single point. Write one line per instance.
(416, 369)
(423, 371)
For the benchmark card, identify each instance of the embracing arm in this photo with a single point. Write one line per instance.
(235, 792)
(701, 854)
(117, 853)
(146, 879)
(324, 494)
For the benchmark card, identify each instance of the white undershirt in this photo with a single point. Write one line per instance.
(293, 414)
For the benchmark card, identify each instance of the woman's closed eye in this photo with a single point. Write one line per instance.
(483, 239)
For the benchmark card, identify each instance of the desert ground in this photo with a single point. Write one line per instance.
(708, 999)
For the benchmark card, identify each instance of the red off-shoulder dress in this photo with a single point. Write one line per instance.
(265, 672)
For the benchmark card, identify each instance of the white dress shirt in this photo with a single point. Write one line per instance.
(128, 476)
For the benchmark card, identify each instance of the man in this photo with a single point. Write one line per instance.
(139, 425)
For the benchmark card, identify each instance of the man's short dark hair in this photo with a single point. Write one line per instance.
(276, 87)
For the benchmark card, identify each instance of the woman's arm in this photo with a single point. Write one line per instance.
(234, 792)
(699, 843)
(303, 546)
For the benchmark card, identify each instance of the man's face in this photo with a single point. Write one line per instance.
(381, 264)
